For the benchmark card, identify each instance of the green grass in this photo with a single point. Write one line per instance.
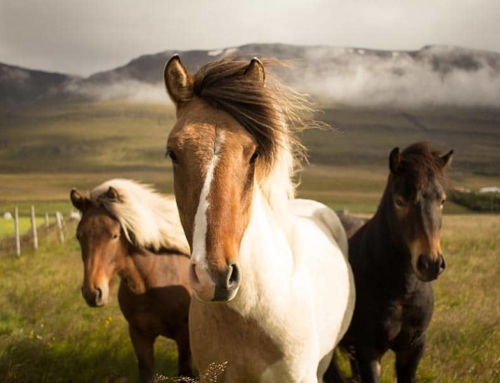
(48, 334)
(465, 331)
(7, 226)
(464, 334)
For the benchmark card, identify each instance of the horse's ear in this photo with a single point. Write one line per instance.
(446, 158)
(178, 80)
(394, 160)
(78, 201)
(112, 194)
(255, 71)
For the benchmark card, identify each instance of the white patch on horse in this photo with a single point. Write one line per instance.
(200, 220)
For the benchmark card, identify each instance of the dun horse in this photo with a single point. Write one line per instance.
(273, 284)
(394, 256)
(130, 231)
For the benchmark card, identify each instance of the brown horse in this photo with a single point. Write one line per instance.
(394, 256)
(273, 287)
(128, 230)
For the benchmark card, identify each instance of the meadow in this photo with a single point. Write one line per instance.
(47, 332)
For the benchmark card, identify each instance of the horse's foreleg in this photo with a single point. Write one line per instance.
(184, 351)
(368, 363)
(407, 361)
(144, 351)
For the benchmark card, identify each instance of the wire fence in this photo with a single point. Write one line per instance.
(53, 227)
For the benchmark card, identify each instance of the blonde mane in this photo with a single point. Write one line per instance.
(147, 218)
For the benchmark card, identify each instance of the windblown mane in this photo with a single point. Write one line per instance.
(147, 218)
(272, 114)
(420, 163)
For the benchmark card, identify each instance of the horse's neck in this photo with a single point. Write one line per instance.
(265, 256)
(387, 248)
(136, 269)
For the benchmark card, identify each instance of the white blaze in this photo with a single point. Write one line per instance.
(200, 220)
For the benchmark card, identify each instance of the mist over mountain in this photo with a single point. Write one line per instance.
(433, 76)
(24, 85)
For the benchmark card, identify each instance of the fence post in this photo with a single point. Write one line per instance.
(33, 228)
(16, 230)
(60, 226)
(47, 220)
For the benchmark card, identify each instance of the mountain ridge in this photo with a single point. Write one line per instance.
(432, 76)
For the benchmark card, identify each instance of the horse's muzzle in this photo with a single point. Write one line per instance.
(429, 269)
(94, 298)
(214, 287)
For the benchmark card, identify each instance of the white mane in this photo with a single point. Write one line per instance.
(277, 185)
(147, 218)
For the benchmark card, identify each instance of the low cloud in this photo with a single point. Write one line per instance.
(435, 76)
(126, 90)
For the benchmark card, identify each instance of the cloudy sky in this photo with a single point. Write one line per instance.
(85, 36)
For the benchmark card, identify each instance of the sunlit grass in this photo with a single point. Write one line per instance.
(464, 334)
(7, 226)
(47, 332)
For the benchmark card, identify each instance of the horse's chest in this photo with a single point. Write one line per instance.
(154, 313)
(406, 318)
(220, 335)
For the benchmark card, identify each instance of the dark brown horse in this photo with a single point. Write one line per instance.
(128, 230)
(394, 256)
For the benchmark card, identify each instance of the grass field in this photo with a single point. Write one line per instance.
(7, 226)
(48, 334)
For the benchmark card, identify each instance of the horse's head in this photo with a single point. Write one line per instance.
(102, 245)
(228, 136)
(416, 197)
(214, 160)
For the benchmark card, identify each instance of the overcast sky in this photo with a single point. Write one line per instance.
(87, 36)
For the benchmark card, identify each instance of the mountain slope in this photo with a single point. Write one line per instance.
(433, 76)
(24, 85)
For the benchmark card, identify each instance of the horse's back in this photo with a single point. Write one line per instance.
(324, 217)
(351, 223)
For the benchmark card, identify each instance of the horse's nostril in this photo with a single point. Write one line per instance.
(442, 263)
(234, 276)
(423, 263)
(192, 274)
(99, 293)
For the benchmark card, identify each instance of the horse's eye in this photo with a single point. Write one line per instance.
(115, 236)
(443, 201)
(399, 202)
(172, 156)
(254, 157)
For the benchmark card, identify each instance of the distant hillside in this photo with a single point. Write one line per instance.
(24, 85)
(47, 149)
(432, 76)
